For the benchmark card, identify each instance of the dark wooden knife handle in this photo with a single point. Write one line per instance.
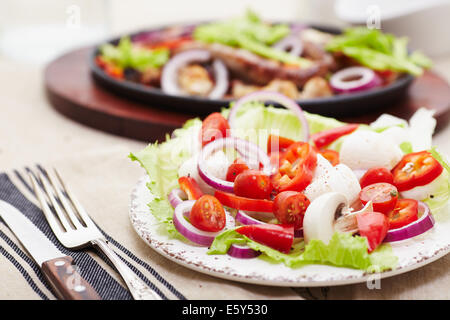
(66, 281)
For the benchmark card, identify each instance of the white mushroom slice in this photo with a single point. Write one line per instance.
(330, 213)
(349, 183)
(321, 215)
(365, 149)
(333, 179)
(423, 192)
(347, 222)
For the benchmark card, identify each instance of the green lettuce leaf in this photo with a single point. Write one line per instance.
(379, 51)
(350, 251)
(439, 201)
(161, 162)
(255, 122)
(223, 241)
(343, 250)
(126, 55)
(250, 33)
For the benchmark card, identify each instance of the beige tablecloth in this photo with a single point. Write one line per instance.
(97, 167)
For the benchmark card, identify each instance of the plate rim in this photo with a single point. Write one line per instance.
(297, 283)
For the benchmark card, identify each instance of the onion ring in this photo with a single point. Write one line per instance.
(360, 79)
(421, 225)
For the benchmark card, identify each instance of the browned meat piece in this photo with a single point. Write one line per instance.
(316, 87)
(254, 69)
(195, 80)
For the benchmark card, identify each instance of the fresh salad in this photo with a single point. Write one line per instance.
(287, 186)
(229, 59)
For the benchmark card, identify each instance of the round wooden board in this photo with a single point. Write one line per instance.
(72, 91)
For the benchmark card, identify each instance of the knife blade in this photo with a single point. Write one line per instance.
(59, 268)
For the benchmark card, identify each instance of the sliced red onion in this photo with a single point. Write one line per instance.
(291, 43)
(221, 80)
(354, 79)
(169, 76)
(242, 252)
(190, 232)
(243, 146)
(245, 219)
(265, 96)
(421, 225)
(176, 197)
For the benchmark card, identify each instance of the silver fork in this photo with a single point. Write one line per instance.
(74, 228)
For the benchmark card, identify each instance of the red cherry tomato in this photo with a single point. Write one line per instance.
(207, 214)
(383, 195)
(405, 212)
(373, 226)
(215, 126)
(190, 187)
(289, 207)
(253, 184)
(375, 175)
(296, 169)
(330, 155)
(277, 236)
(416, 169)
(324, 138)
(243, 203)
(237, 167)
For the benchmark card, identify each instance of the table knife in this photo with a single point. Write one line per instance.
(59, 269)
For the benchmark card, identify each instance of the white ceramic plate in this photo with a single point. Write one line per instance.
(412, 253)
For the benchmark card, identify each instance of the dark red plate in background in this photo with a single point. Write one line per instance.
(338, 105)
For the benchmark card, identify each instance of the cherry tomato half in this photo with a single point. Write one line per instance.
(376, 174)
(237, 167)
(416, 169)
(296, 170)
(373, 226)
(405, 212)
(324, 138)
(215, 126)
(277, 236)
(207, 214)
(383, 195)
(289, 207)
(253, 184)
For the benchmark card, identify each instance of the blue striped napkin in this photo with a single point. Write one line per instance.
(15, 189)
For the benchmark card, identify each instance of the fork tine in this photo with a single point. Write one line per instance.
(58, 210)
(72, 216)
(82, 213)
(44, 205)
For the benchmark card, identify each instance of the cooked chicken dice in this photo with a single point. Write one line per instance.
(286, 87)
(315, 88)
(195, 80)
(240, 89)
